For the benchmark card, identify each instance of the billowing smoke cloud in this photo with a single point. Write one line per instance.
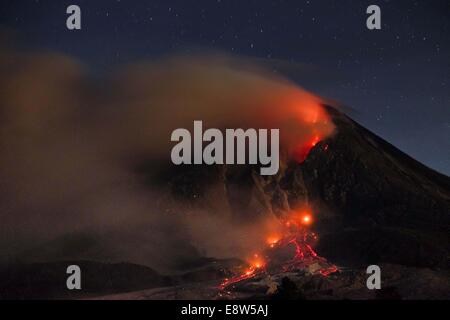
(70, 144)
(219, 90)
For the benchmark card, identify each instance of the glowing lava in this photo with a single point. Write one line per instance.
(306, 219)
(301, 151)
(290, 248)
(295, 238)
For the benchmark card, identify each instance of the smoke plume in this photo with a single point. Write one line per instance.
(70, 144)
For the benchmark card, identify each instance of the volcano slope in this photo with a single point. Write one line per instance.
(372, 203)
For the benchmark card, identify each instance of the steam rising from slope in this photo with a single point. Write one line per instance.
(69, 145)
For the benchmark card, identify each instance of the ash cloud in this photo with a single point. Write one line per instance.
(70, 144)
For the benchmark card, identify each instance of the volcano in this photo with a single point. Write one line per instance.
(367, 203)
(372, 202)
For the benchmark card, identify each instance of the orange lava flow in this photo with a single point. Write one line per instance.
(293, 236)
(296, 236)
(301, 151)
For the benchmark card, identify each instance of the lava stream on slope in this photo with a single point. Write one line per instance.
(290, 251)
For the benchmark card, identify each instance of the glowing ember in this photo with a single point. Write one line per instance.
(306, 219)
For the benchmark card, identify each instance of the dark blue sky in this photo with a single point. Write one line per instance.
(396, 80)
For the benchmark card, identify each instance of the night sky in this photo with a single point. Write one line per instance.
(396, 81)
